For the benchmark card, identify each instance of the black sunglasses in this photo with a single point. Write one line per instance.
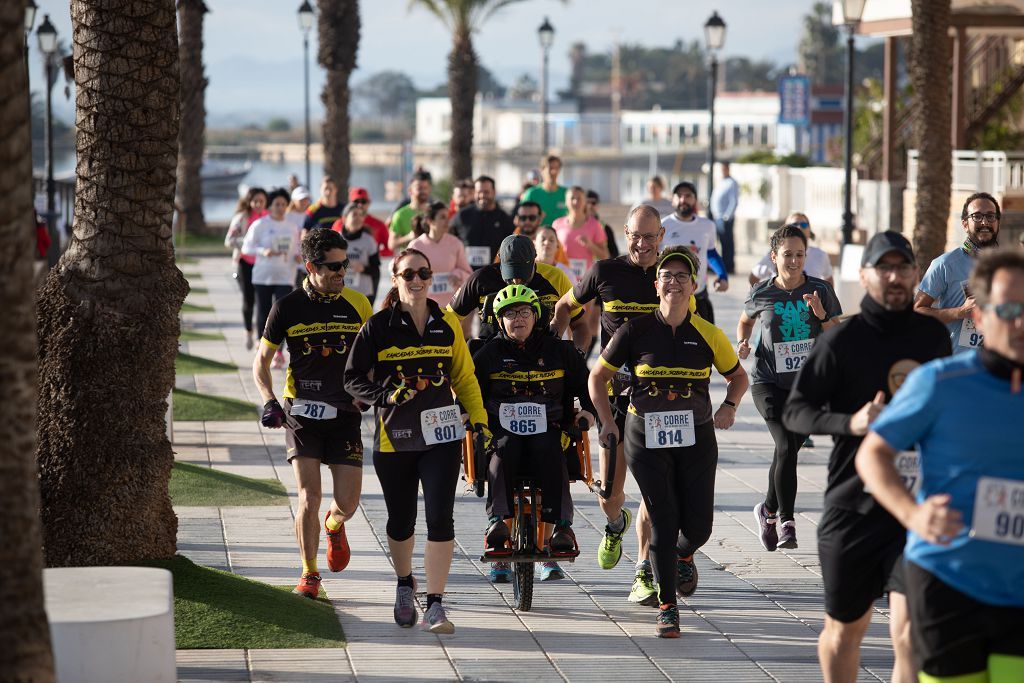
(333, 266)
(408, 274)
(524, 217)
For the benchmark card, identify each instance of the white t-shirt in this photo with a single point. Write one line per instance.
(817, 265)
(266, 233)
(360, 249)
(298, 219)
(699, 235)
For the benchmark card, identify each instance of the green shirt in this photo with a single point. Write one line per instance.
(551, 203)
(401, 220)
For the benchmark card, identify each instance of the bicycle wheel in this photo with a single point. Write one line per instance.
(522, 585)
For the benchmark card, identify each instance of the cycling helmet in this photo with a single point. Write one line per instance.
(516, 294)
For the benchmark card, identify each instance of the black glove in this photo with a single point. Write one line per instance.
(273, 414)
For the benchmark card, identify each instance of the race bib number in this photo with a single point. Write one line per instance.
(970, 337)
(441, 425)
(282, 244)
(440, 285)
(578, 266)
(790, 356)
(314, 410)
(478, 256)
(669, 429)
(908, 464)
(999, 511)
(355, 281)
(523, 418)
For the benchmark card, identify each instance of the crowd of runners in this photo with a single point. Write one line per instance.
(486, 324)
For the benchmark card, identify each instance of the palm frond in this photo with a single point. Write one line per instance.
(442, 10)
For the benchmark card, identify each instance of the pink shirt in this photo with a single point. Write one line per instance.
(447, 259)
(580, 258)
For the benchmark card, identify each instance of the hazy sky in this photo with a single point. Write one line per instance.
(254, 47)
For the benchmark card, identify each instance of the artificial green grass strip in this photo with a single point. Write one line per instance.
(197, 290)
(193, 485)
(186, 364)
(188, 260)
(195, 308)
(218, 610)
(195, 242)
(190, 406)
(195, 335)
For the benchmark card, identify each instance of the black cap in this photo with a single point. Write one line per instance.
(884, 242)
(517, 256)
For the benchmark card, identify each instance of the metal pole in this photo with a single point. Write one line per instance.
(305, 68)
(848, 127)
(544, 102)
(51, 188)
(712, 87)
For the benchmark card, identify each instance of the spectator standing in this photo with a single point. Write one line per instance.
(724, 200)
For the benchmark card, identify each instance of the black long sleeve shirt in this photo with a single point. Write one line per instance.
(849, 364)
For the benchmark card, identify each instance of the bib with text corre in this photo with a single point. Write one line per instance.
(970, 337)
(523, 418)
(999, 511)
(790, 356)
(578, 266)
(478, 256)
(441, 425)
(908, 464)
(669, 429)
(314, 410)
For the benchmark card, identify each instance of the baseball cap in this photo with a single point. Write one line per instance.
(884, 242)
(517, 257)
(355, 193)
(300, 193)
(680, 254)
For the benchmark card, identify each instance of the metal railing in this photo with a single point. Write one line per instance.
(999, 173)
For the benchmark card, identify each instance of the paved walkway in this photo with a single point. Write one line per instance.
(755, 616)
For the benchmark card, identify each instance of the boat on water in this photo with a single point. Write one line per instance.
(222, 179)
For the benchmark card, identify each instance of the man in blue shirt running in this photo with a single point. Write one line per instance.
(945, 285)
(965, 547)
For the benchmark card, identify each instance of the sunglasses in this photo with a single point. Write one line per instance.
(1007, 312)
(523, 217)
(408, 274)
(333, 266)
(803, 225)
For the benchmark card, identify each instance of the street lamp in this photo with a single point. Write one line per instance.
(851, 11)
(306, 17)
(47, 36)
(546, 34)
(30, 18)
(714, 38)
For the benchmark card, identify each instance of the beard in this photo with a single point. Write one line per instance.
(684, 210)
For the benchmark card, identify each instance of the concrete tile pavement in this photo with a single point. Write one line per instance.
(755, 616)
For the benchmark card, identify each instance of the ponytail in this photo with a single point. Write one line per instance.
(390, 299)
(419, 224)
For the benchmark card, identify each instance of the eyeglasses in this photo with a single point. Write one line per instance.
(803, 225)
(527, 217)
(666, 278)
(1008, 312)
(333, 266)
(408, 274)
(984, 217)
(513, 313)
(637, 237)
(901, 269)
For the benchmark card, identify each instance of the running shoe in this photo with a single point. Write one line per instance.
(563, 540)
(644, 592)
(787, 535)
(808, 443)
(686, 576)
(405, 605)
(338, 550)
(436, 621)
(668, 621)
(248, 341)
(766, 528)
(610, 550)
(501, 572)
(550, 571)
(309, 585)
(496, 538)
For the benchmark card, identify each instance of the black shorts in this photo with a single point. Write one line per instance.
(952, 633)
(858, 553)
(332, 442)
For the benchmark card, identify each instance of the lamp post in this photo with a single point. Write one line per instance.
(714, 38)
(852, 11)
(546, 34)
(306, 17)
(47, 36)
(30, 20)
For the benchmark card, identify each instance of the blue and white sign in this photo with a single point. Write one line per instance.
(795, 100)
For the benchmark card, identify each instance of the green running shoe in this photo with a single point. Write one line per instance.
(644, 591)
(610, 550)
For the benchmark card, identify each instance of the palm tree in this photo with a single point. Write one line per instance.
(24, 633)
(108, 312)
(461, 18)
(193, 117)
(930, 76)
(339, 42)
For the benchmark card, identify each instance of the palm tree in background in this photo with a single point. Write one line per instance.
(462, 18)
(339, 42)
(24, 632)
(108, 312)
(193, 117)
(930, 75)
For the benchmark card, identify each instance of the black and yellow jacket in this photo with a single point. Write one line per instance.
(389, 353)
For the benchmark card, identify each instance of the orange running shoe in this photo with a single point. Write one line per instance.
(338, 551)
(309, 585)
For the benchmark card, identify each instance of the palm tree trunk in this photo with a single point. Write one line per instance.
(108, 313)
(339, 42)
(24, 633)
(462, 73)
(193, 117)
(930, 75)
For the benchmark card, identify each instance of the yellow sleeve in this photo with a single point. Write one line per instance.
(448, 309)
(558, 279)
(725, 359)
(602, 361)
(693, 304)
(266, 342)
(467, 389)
